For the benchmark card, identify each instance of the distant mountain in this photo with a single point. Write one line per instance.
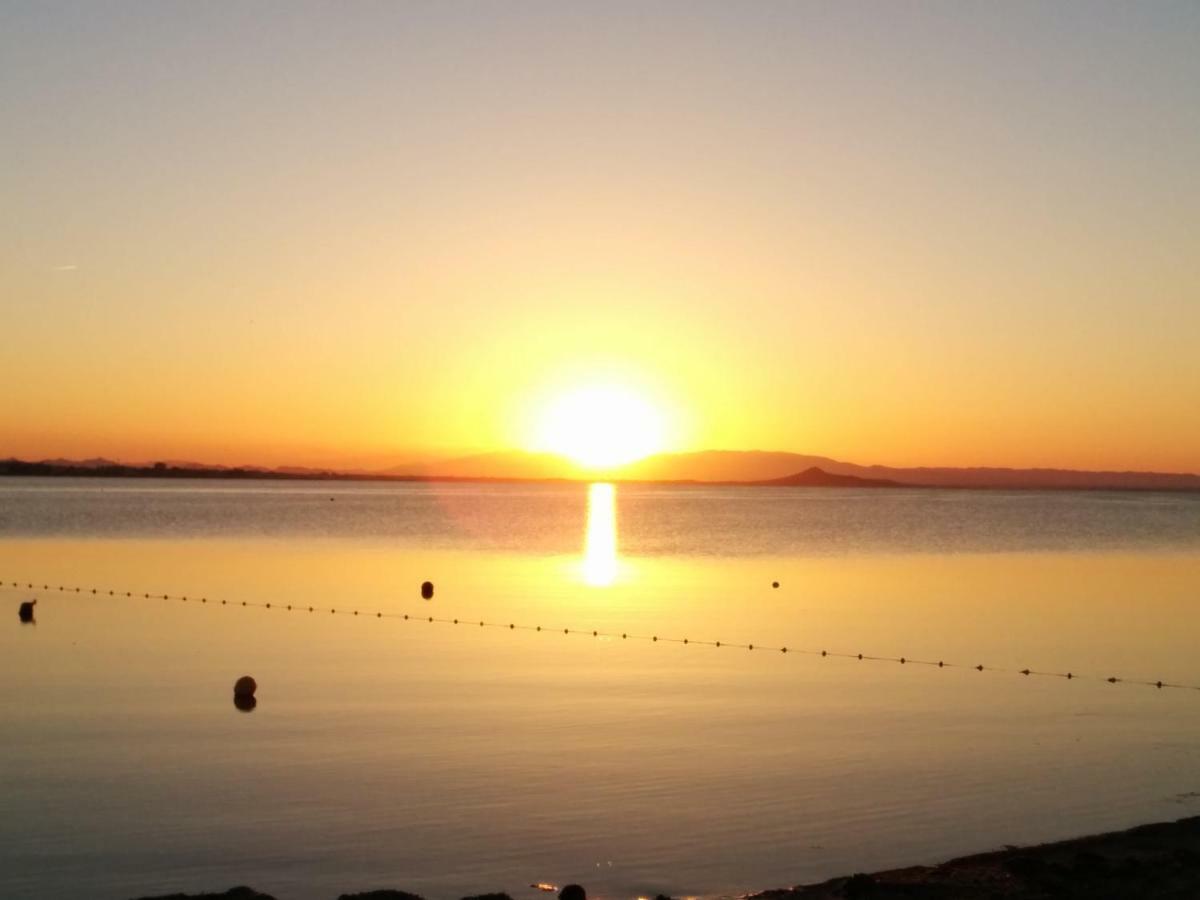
(725, 465)
(757, 465)
(817, 477)
(986, 477)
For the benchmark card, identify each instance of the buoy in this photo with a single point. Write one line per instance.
(774, 584)
(427, 590)
(245, 687)
(244, 702)
(26, 610)
(572, 892)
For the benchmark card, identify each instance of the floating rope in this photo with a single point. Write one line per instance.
(595, 633)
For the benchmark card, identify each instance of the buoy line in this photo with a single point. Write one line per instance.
(586, 632)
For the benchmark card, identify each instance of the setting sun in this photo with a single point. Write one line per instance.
(599, 427)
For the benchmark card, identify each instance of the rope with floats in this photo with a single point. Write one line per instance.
(594, 633)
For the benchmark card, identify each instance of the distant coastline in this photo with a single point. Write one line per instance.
(22, 468)
(813, 476)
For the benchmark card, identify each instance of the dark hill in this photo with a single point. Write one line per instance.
(818, 477)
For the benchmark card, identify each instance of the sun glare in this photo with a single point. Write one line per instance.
(600, 427)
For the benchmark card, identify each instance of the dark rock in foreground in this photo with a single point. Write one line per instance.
(237, 893)
(1152, 862)
(381, 895)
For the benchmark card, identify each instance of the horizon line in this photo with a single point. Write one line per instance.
(578, 472)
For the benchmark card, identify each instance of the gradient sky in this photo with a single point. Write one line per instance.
(359, 233)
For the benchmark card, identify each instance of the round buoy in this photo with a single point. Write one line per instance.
(25, 610)
(244, 702)
(774, 584)
(245, 687)
(427, 590)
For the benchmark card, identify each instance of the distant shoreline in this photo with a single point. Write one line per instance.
(813, 477)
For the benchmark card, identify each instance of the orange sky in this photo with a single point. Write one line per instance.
(363, 237)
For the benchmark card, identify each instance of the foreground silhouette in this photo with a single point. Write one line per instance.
(1151, 862)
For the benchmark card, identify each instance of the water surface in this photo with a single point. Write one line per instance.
(450, 760)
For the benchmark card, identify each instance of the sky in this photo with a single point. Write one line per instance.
(365, 233)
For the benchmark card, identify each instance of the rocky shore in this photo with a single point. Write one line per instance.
(1150, 862)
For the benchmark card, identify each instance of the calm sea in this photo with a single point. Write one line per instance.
(453, 759)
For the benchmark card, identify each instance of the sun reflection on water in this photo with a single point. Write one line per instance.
(599, 566)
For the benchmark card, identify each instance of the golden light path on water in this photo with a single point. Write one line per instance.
(599, 565)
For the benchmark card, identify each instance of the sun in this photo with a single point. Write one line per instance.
(600, 426)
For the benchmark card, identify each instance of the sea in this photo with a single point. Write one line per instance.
(608, 723)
